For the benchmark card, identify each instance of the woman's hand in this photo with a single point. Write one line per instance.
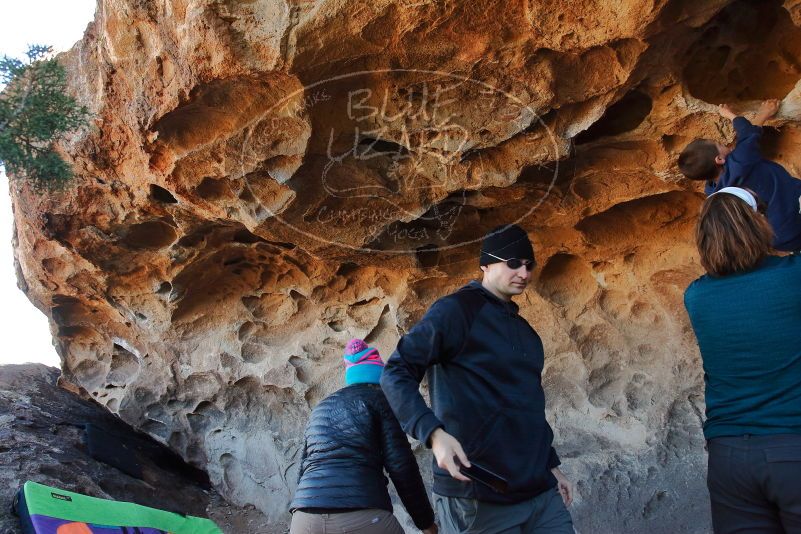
(431, 530)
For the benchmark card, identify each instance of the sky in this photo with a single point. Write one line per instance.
(59, 23)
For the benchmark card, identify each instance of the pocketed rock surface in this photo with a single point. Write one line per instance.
(262, 181)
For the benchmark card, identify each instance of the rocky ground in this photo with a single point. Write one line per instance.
(42, 439)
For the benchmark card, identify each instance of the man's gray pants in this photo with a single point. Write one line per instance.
(544, 514)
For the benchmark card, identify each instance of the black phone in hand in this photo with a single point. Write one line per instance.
(484, 476)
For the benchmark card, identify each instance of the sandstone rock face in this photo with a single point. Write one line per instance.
(264, 180)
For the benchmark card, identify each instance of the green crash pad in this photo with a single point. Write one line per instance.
(46, 510)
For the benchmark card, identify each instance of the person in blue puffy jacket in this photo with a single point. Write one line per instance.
(351, 438)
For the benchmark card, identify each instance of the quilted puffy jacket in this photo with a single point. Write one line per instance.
(351, 438)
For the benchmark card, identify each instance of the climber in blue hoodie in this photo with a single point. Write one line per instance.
(484, 365)
(744, 166)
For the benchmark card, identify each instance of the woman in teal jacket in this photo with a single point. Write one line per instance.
(746, 314)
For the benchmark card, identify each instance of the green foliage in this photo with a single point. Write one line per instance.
(34, 111)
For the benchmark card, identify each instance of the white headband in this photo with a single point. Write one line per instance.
(742, 194)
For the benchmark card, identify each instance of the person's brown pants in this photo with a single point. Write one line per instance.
(369, 521)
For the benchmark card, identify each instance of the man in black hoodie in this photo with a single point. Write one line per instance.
(484, 365)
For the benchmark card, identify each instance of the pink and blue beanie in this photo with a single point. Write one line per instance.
(363, 364)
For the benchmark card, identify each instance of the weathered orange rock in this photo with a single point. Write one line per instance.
(263, 181)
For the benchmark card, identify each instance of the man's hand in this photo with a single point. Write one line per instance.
(726, 112)
(446, 448)
(431, 530)
(767, 109)
(565, 487)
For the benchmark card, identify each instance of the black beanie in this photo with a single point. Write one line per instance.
(506, 241)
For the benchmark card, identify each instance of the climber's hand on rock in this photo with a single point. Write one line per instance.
(726, 112)
(767, 109)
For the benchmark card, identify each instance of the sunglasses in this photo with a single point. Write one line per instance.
(515, 263)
